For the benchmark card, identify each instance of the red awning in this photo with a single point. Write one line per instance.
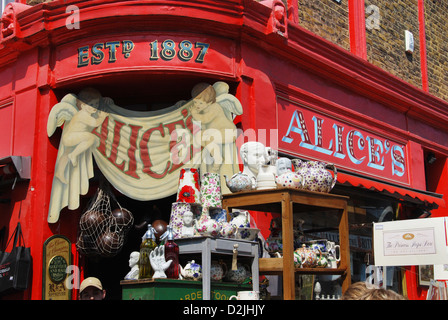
(394, 190)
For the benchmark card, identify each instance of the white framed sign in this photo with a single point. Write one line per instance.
(410, 242)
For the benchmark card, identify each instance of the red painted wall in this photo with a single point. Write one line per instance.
(259, 65)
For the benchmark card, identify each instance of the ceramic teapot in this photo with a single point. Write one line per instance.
(289, 179)
(228, 230)
(240, 182)
(308, 256)
(315, 174)
(191, 271)
(239, 275)
(218, 270)
(206, 226)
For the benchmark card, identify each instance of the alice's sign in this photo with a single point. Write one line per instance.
(310, 134)
(140, 153)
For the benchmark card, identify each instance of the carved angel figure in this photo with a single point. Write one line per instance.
(213, 106)
(79, 115)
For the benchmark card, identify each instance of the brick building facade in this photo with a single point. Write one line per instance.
(386, 22)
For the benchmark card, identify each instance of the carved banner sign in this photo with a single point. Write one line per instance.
(140, 153)
(313, 135)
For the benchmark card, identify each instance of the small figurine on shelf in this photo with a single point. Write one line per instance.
(253, 154)
(284, 165)
(133, 264)
(158, 262)
(188, 226)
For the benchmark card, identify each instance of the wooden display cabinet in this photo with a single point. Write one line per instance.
(324, 209)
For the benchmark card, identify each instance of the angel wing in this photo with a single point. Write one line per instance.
(61, 112)
(229, 103)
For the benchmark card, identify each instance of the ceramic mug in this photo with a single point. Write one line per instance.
(246, 295)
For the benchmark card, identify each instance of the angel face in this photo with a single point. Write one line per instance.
(91, 106)
(200, 104)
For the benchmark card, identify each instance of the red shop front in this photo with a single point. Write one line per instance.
(300, 95)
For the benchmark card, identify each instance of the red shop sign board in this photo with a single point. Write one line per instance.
(309, 134)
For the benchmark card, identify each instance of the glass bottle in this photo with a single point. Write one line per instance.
(171, 253)
(148, 244)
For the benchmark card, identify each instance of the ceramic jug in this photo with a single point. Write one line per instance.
(316, 176)
(246, 295)
(240, 219)
(240, 182)
(266, 177)
(218, 270)
(188, 189)
(333, 257)
(211, 196)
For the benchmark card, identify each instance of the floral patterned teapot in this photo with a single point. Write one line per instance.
(306, 257)
(192, 271)
(206, 226)
(240, 182)
(315, 174)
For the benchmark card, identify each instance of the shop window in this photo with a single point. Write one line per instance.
(365, 209)
(436, 175)
(435, 171)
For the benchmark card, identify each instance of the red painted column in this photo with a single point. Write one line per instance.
(357, 28)
(423, 61)
(293, 11)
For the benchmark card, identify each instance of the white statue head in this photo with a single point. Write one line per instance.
(187, 218)
(133, 258)
(283, 165)
(253, 154)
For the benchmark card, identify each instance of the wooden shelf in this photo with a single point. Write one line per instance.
(274, 266)
(305, 205)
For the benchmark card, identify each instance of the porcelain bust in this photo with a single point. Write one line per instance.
(283, 165)
(253, 154)
(188, 226)
(133, 264)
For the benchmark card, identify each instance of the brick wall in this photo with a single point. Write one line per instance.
(385, 39)
(327, 19)
(436, 27)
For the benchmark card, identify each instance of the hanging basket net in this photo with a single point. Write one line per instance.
(104, 225)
